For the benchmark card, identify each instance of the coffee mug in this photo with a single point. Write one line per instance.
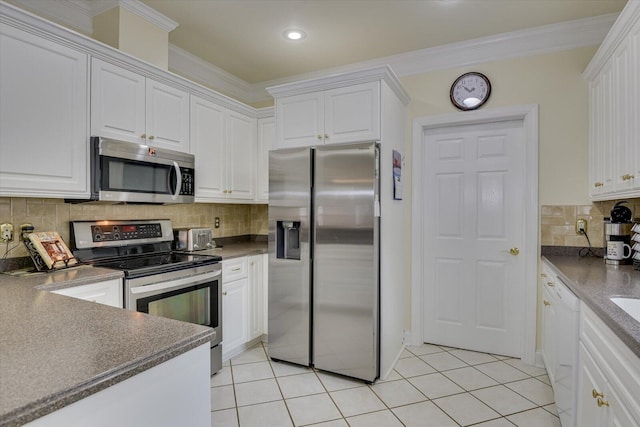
(616, 250)
(636, 247)
(636, 256)
(636, 227)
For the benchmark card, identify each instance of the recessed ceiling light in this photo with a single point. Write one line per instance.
(294, 34)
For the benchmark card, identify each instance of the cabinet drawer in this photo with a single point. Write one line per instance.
(617, 361)
(234, 269)
(108, 292)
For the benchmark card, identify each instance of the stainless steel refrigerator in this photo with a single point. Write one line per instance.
(324, 217)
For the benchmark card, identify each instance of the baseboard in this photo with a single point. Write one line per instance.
(239, 349)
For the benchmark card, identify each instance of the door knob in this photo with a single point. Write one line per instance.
(513, 251)
(545, 302)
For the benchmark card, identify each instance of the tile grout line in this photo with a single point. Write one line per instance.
(407, 379)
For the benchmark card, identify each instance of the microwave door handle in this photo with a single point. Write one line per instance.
(178, 181)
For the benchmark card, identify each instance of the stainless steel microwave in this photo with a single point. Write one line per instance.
(135, 173)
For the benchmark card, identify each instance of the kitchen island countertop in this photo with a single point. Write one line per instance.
(595, 283)
(56, 350)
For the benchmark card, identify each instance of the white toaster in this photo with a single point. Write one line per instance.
(193, 239)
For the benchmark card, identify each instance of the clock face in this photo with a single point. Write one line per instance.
(470, 91)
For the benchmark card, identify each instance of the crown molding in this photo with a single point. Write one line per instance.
(629, 16)
(137, 7)
(534, 41)
(199, 70)
(74, 13)
(333, 81)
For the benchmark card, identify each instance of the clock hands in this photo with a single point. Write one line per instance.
(467, 89)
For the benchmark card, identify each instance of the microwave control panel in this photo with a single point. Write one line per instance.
(116, 232)
(188, 182)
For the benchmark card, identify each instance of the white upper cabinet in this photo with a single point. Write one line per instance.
(131, 107)
(336, 109)
(224, 145)
(266, 142)
(44, 116)
(352, 113)
(614, 92)
(208, 145)
(241, 155)
(345, 114)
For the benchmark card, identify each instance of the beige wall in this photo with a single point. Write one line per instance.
(54, 214)
(134, 35)
(554, 82)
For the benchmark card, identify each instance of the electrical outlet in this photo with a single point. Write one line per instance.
(6, 232)
(26, 229)
(216, 222)
(581, 226)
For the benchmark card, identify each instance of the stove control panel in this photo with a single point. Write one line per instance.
(118, 232)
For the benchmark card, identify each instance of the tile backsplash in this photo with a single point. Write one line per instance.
(557, 223)
(54, 214)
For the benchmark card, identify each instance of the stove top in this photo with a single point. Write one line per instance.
(136, 247)
(157, 263)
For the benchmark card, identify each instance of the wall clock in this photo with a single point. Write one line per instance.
(470, 91)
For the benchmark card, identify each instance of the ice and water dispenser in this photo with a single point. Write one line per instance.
(288, 239)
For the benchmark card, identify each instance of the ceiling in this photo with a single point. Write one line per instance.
(244, 37)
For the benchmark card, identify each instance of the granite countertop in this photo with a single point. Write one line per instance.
(594, 283)
(56, 350)
(236, 250)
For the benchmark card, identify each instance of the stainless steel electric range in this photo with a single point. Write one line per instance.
(157, 280)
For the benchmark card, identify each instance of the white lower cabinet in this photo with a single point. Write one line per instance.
(235, 298)
(256, 297)
(109, 292)
(609, 377)
(242, 303)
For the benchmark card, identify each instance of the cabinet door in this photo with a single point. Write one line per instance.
(590, 380)
(266, 142)
(548, 340)
(167, 117)
(606, 132)
(300, 120)
(623, 124)
(234, 315)
(241, 153)
(108, 292)
(43, 117)
(117, 102)
(256, 295)
(596, 184)
(208, 146)
(352, 113)
(634, 42)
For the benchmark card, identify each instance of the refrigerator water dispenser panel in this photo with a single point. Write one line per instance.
(288, 240)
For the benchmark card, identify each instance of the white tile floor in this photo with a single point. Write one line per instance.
(430, 386)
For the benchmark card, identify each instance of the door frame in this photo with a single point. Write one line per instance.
(528, 114)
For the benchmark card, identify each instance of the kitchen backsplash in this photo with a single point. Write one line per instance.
(558, 223)
(54, 214)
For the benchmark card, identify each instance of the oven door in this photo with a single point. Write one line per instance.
(192, 295)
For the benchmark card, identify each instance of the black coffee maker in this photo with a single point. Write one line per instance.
(617, 228)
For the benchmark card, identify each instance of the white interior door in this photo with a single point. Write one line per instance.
(473, 236)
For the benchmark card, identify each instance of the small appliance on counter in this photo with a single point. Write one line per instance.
(193, 239)
(617, 235)
(635, 241)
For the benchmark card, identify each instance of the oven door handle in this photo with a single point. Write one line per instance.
(171, 285)
(176, 167)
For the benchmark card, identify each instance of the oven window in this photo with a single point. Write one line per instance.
(136, 177)
(192, 304)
